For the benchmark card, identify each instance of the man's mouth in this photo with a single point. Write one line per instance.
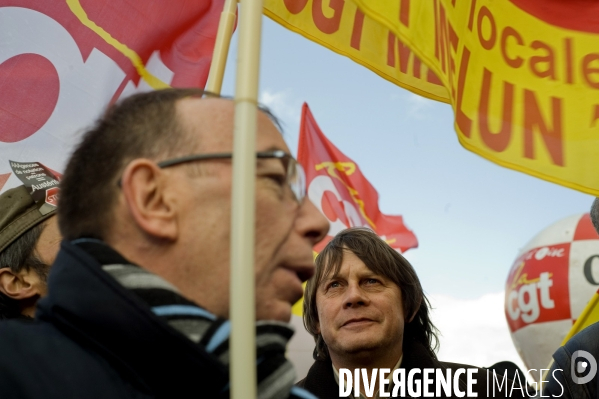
(295, 289)
(297, 293)
(300, 274)
(357, 322)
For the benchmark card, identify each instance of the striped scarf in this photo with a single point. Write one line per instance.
(274, 372)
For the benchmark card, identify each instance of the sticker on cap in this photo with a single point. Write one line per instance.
(41, 183)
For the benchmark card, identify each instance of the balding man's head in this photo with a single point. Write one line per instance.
(141, 126)
(155, 125)
(153, 180)
(206, 116)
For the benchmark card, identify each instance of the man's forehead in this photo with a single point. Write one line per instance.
(213, 119)
(331, 273)
(336, 269)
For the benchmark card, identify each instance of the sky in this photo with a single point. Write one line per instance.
(470, 216)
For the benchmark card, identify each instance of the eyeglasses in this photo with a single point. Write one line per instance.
(295, 175)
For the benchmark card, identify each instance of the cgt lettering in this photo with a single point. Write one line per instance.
(524, 302)
(325, 23)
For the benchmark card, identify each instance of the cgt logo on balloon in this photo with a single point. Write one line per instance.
(549, 285)
(537, 278)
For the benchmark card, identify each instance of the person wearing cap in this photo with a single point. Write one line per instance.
(138, 297)
(29, 242)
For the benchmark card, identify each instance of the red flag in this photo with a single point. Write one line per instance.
(63, 61)
(339, 189)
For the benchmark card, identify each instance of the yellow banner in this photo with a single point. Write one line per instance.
(522, 75)
(340, 26)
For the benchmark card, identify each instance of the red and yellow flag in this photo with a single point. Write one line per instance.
(342, 27)
(339, 189)
(63, 61)
(521, 75)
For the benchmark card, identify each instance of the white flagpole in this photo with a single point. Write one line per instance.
(243, 308)
(221, 47)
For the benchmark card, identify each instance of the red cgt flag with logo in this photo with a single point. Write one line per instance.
(63, 61)
(341, 192)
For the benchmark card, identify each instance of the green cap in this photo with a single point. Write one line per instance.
(18, 214)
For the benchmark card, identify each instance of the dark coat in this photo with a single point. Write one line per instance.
(321, 379)
(560, 382)
(95, 339)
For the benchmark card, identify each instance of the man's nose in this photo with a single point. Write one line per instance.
(311, 223)
(354, 296)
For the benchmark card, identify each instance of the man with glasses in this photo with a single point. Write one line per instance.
(139, 294)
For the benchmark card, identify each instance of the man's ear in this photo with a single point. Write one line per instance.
(147, 197)
(19, 286)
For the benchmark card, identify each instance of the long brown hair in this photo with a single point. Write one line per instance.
(379, 257)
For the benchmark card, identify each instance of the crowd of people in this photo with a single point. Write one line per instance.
(123, 291)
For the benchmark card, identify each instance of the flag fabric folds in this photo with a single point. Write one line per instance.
(343, 28)
(63, 62)
(341, 192)
(522, 76)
